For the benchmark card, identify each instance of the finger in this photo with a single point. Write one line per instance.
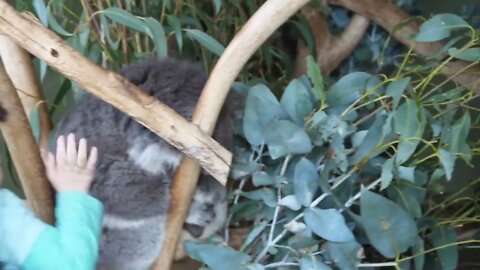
(50, 162)
(61, 152)
(82, 153)
(92, 159)
(71, 149)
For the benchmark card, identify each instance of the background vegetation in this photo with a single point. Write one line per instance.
(319, 157)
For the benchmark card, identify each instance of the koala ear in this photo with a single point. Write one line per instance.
(195, 230)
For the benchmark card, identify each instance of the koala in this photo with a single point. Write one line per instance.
(135, 167)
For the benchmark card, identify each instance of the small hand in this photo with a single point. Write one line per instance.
(69, 169)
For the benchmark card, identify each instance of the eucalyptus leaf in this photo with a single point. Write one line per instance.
(470, 54)
(176, 24)
(396, 89)
(328, 224)
(266, 195)
(348, 89)
(390, 229)
(313, 71)
(206, 41)
(439, 27)
(285, 138)
(347, 255)
(296, 102)
(157, 34)
(41, 10)
(310, 262)
(387, 173)
(216, 257)
(34, 120)
(262, 179)
(418, 249)
(124, 17)
(305, 181)
(291, 202)
(443, 237)
(372, 140)
(447, 159)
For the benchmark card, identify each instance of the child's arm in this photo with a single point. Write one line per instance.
(73, 243)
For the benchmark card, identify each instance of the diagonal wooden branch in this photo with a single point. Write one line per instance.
(386, 14)
(20, 70)
(116, 90)
(237, 53)
(331, 50)
(23, 149)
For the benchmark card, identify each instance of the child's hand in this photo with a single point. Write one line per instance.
(71, 170)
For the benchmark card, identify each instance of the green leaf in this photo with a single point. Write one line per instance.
(448, 255)
(41, 10)
(55, 26)
(310, 262)
(313, 71)
(396, 89)
(296, 102)
(390, 229)
(285, 138)
(418, 249)
(261, 109)
(305, 181)
(266, 195)
(328, 224)
(157, 34)
(206, 41)
(346, 255)
(387, 173)
(218, 6)
(459, 135)
(262, 179)
(254, 234)
(408, 121)
(176, 24)
(439, 27)
(447, 159)
(348, 89)
(372, 140)
(291, 202)
(216, 257)
(125, 18)
(470, 54)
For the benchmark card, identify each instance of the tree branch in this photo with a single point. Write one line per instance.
(117, 91)
(23, 149)
(237, 53)
(331, 50)
(20, 70)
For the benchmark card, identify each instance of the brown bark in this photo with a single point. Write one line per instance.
(241, 48)
(386, 14)
(116, 90)
(331, 50)
(20, 70)
(24, 152)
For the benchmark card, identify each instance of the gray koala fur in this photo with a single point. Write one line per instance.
(135, 166)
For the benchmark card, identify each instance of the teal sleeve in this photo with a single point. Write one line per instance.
(19, 229)
(73, 243)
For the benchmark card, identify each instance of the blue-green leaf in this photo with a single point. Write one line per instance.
(285, 138)
(56, 26)
(396, 89)
(291, 202)
(372, 140)
(310, 262)
(387, 173)
(217, 257)
(41, 10)
(418, 249)
(305, 181)
(206, 41)
(408, 121)
(266, 195)
(123, 17)
(261, 109)
(439, 27)
(262, 179)
(345, 255)
(448, 255)
(218, 6)
(390, 229)
(470, 54)
(447, 159)
(34, 120)
(348, 89)
(296, 101)
(157, 34)
(459, 134)
(328, 224)
(176, 24)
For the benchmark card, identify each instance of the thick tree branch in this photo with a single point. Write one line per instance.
(20, 70)
(237, 53)
(386, 14)
(117, 91)
(23, 149)
(331, 50)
